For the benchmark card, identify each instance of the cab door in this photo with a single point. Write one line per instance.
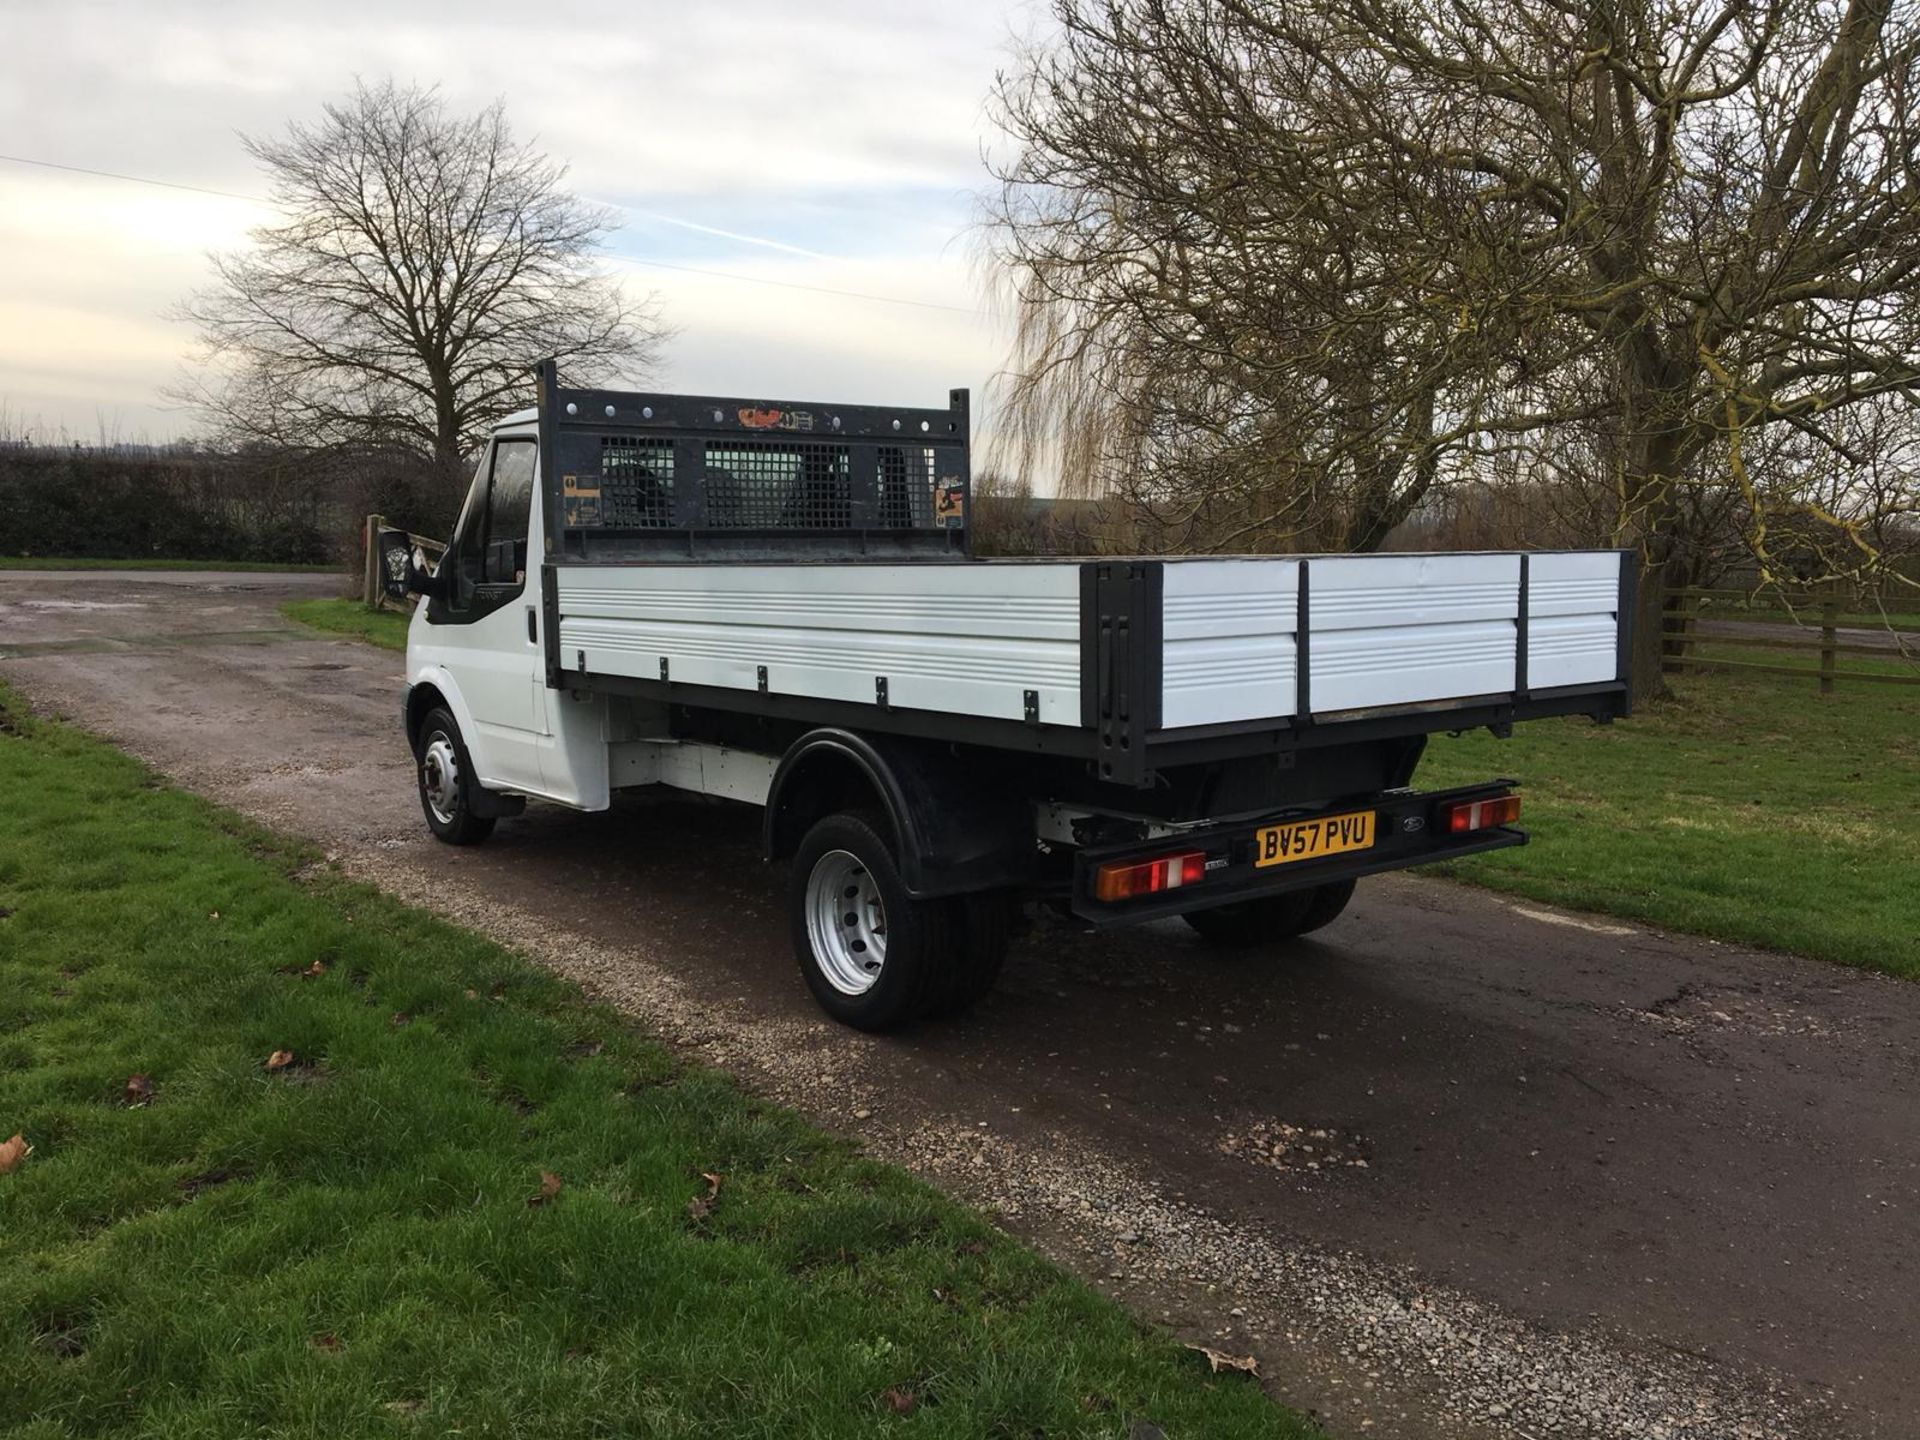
(483, 628)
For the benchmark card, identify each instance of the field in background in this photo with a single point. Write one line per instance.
(1750, 808)
(309, 1162)
(1829, 640)
(385, 628)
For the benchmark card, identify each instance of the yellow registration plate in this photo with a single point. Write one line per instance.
(1311, 839)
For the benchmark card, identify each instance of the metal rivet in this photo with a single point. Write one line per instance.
(646, 412)
(836, 422)
(896, 424)
(609, 412)
(572, 409)
(717, 417)
(924, 427)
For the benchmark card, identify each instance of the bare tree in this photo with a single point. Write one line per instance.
(1404, 238)
(421, 263)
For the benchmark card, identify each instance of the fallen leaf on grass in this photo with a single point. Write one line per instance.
(138, 1092)
(549, 1189)
(899, 1400)
(280, 1060)
(400, 1019)
(405, 1407)
(12, 1153)
(326, 1342)
(213, 914)
(314, 971)
(1245, 1364)
(701, 1206)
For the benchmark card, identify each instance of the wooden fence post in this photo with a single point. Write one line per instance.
(1677, 639)
(370, 590)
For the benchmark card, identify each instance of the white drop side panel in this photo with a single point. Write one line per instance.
(961, 639)
(1408, 629)
(1228, 650)
(1573, 619)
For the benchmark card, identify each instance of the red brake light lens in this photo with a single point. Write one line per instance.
(1123, 881)
(1482, 814)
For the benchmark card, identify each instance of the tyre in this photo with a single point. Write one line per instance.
(1326, 905)
(1272, 918)
(985, 933)
(447, 783)
(874, 957)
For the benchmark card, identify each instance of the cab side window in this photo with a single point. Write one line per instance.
(489, 554)
(509, 507)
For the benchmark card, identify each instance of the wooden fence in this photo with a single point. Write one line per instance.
(1825, 625)
(372, 591)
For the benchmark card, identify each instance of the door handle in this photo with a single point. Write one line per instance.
(533, 628)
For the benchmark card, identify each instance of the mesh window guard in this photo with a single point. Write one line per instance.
(769, 485)
(636, 482)
(904, 487)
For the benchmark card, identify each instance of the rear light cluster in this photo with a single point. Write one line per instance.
(1123, 881)
(1482, 814)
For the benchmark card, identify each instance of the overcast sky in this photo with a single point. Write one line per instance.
(836, 143)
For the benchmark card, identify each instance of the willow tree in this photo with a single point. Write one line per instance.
(419, 263)
(1298, 262)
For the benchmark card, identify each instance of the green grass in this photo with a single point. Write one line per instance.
(345, 1247)
(56, 562)
(385, 628)
(1750, 809)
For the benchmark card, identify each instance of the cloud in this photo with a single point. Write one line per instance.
(832, 144)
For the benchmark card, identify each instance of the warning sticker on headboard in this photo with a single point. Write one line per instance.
(579, 501)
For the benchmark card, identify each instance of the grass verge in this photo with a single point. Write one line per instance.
(384, 628)
(55, 562)
(469, 1202)
(1750, 808)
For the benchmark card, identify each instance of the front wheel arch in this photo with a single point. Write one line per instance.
(422, 700)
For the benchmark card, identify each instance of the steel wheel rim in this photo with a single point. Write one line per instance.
(846, 922)
(440, 778)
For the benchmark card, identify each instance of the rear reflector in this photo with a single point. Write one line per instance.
(1124, 881)
(1482, 814)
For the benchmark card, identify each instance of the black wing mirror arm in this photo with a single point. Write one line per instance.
(421, 580)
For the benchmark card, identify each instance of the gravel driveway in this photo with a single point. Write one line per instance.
(1458, 1167)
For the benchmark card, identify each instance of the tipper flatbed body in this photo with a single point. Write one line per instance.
(777, 603)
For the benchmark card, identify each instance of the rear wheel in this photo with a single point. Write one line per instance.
(985, 933)
(1272, 918)
(873, 956)
(447, 783)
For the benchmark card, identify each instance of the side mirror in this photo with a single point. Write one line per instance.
(403, 570)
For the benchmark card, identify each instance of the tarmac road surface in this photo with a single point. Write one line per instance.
(1459, 1166)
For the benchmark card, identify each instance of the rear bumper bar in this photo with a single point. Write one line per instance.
(1409, 829)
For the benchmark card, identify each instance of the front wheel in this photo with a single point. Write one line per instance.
(447, 783)
(873, 956)
(1272, 918)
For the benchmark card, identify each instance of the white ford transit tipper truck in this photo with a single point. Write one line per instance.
(776, 603)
